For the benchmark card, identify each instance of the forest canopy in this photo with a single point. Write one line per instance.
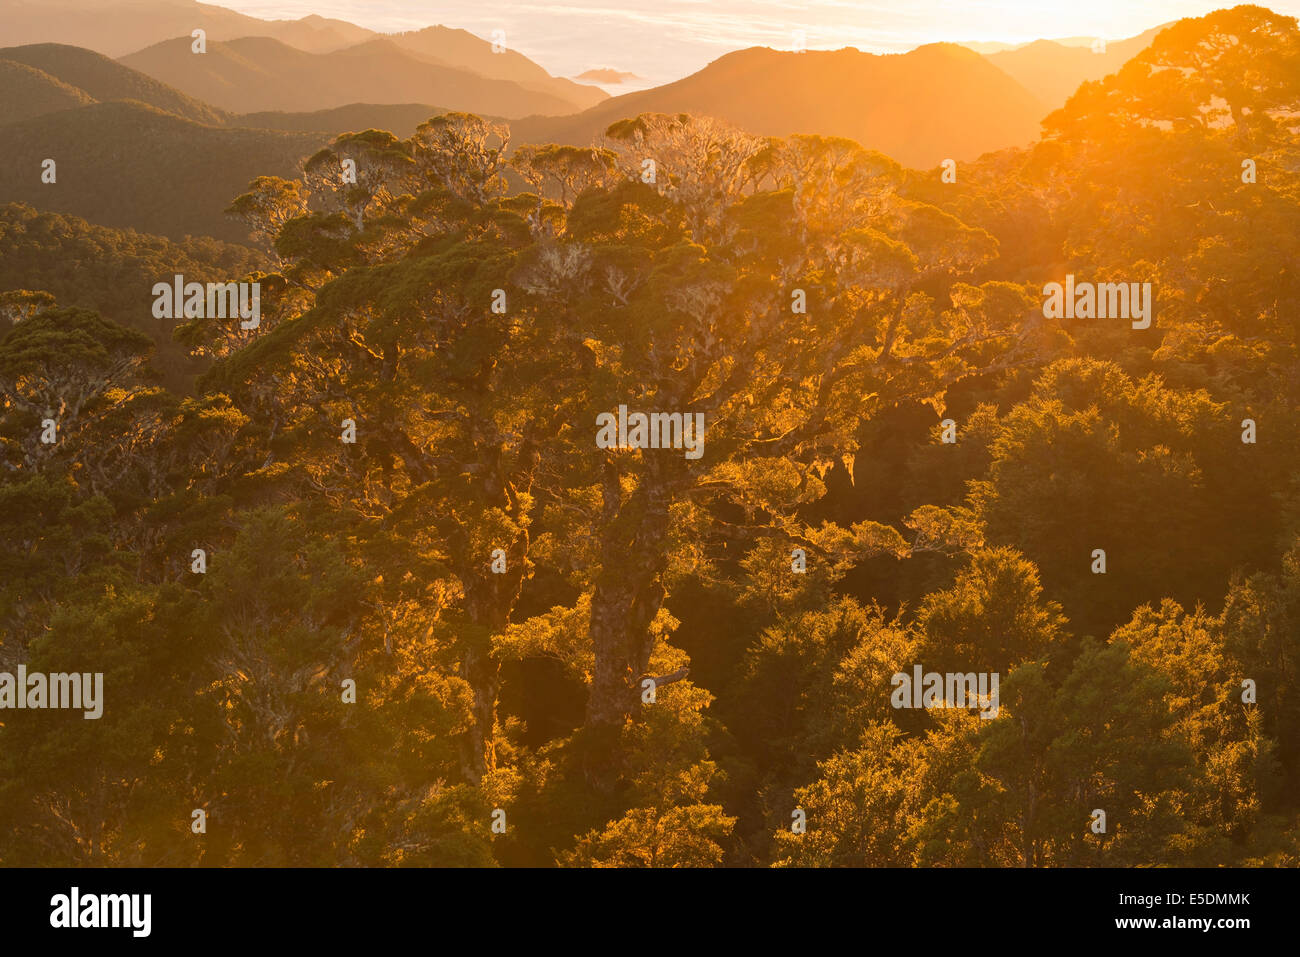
(367, 588)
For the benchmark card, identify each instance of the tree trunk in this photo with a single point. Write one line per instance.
(483, 672)
(628, 595)
(490, 597)
(489, 600)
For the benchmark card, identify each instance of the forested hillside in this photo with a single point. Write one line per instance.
(127, 165)
(398, 580)
(105, 80)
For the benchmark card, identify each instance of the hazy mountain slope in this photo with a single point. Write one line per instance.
(1052, 71)
(26, 91)
(463, 50)
(257, 74)
(313, 34)
(118, 27)
(106, 80)
(127, 164)
(124, 27)
(936, 102)
(400, 119)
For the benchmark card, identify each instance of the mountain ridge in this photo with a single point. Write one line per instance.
(262, 74)
(777, 93)
(106, 80)
(1053, 70)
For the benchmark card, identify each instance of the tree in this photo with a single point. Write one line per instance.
(694, 279)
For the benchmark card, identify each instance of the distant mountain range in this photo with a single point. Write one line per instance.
(304, 71)
(118, 27)
(163, 138)
(255, 74)
(253, 65)
(933, 103)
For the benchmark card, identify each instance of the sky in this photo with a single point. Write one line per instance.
(664, 40)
